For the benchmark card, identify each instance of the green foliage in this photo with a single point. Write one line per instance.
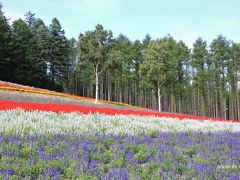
(104, 168)
(59, 48)
(25, 152)
(141, 156)
(137, 148)
(167, 165)
(191, 151)
(153, 133)
(6, 48)
(120, 161)
(106, 157)
(142, 152)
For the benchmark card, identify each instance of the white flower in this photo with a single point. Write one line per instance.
(20, 121)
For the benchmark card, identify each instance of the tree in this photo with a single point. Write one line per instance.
(115, 60)
(22, 53)
(6, 45)
(155, 67)
(40, 57)
(72, 70)
(233, 80)
(124, 71)
(199, 62)
(30, 18)
(93, 47)
(181, 64)
(220, 51)
(58, 55)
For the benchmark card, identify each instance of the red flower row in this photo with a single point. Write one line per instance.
(29, 106)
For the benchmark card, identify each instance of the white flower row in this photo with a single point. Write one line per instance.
(20, 122)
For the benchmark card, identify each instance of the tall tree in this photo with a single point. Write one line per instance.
(123, 74)
(233, 82)
(93, 47)
(5, 48)
(157, 64)
(40, 57)
(220, 51)
(72, 70)
(199, 63)
(22, 52)
(182, 57)
(30, 18)
(58, 54)
(115, 59)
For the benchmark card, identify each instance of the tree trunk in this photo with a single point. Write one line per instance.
(120, 93)
(76, 85)
(159, 96)
(145, 99)
(83, 90)
(101, 96)
(136, 95)
(141, 100)
(130, 96)
(180, 102)
(115, 89)
(238, 110)
(154, 100)
(125, 93)
(96, 90)
(109, 84)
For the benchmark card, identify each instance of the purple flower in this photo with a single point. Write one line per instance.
(9, 171)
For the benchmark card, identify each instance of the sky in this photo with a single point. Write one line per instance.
(185, 20)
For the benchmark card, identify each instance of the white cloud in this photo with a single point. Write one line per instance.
(12, 16)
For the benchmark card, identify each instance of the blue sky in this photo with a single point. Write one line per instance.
(184, 19)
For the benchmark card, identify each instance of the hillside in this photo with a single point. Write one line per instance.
(17, 92)
(30, 98)
(50, 135)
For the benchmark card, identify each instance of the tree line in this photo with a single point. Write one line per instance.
(162, 74)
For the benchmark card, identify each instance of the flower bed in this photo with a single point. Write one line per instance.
(7, 104)
(21, 122)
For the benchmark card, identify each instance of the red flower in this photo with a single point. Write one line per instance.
(29, 106)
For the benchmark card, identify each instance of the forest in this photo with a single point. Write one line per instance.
(161, 74)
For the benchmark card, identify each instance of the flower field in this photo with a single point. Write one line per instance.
(57, 141)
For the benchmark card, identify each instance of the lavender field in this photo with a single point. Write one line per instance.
(98, 146)
(98, 156)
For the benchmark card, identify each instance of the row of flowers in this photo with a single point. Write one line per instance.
(30, 106)
(21, 122)
(17, 87)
